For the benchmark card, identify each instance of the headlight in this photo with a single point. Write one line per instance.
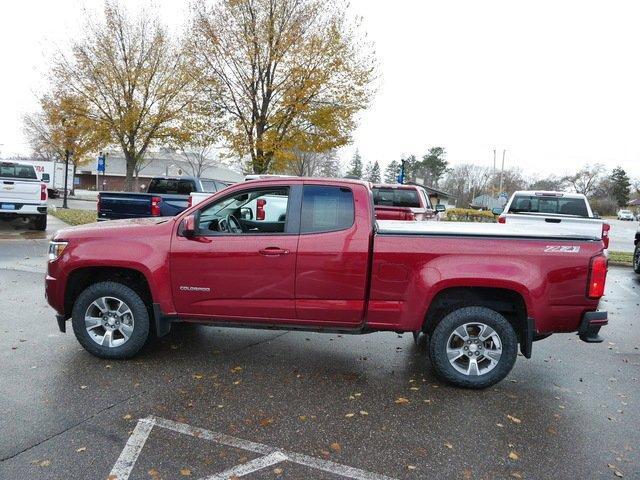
(56, 249)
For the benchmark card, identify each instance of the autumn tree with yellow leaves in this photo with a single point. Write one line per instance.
(287, 76)
(61, 125)
(131, 79)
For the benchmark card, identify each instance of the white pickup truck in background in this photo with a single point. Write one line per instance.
(22, 194)
(570, 213)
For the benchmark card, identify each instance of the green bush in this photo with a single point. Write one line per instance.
(469, 215)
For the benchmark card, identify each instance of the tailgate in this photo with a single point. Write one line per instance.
(124, 205)
(20, 191)
(578, 226)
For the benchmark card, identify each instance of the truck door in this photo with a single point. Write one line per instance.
(241, 264)
(333, 252)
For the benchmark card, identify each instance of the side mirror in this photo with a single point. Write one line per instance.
(440, 208)
(497, 211)
(46, 178)
(246, 213)
(188, 227)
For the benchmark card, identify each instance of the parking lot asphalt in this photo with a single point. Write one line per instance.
(276, 404)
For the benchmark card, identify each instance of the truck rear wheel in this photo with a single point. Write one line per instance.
(473, 347)
(110, 320)
(636, 259)
(40, 223)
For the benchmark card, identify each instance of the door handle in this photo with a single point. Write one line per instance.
(273, 251)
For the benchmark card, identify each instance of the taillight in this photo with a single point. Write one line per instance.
(43, 192)
(260, 214)
(502, 219)
(597, 276)
(190, 202)
(155, 206)
(605, 234)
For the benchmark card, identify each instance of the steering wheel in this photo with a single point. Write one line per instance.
(232, 225)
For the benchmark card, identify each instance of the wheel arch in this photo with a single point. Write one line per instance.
(81, 278)
(508, 302)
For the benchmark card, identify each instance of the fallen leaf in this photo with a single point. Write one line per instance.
(349, 415)
(82, 387)
(43, 463)
(448, 445)
(185, 472)
(414, 388)
(335, 446)
(81, 449)
(618, 473)
(302, 418)
(402, 400)
(411, 467)
(516, 475)
(514, 456)
(197, 376)
(127, 417)
(265, 422)
(514, 419)
(236, 369)
(364, 412)
(277, 471)
(499, 425)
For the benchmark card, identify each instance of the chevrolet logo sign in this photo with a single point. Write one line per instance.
(9, 187)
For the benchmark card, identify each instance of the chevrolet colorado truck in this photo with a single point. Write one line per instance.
(479, 292)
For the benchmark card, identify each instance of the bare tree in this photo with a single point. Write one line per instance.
(586, 179)
(314, 164)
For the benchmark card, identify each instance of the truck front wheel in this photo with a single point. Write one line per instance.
(110, 320)
(473, 347)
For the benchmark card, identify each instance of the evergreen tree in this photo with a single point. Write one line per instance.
(391, 172)
(620, 186)
(355, 169)
(374, 173)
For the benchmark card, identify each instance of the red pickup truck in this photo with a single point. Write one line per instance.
(403, 202)
(478, 291)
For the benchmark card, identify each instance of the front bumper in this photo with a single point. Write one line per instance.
(590, 326)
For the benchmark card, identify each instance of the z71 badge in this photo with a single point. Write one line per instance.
(562, 249)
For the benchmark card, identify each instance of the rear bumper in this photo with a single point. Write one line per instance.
(21, 209)
(590, 326)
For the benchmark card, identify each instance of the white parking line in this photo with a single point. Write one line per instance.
(250, 467)
(271, 456)
(127, 459)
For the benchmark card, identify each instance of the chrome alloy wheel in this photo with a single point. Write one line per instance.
(109, 321)
(474, 349)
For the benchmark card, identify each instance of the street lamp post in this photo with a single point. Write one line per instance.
(67, 154)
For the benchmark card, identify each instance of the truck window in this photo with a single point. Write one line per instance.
(255, 212)
(550, 205)
(326, 209)
(13, 170)
(209, 186)
(396, 197)
(171, 186)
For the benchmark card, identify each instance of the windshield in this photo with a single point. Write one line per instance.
(396, 197)
(551, 205)
(16, 170)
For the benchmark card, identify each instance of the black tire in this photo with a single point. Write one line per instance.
(135, 303)
(636, 259)
(40, 223)
(439, 339)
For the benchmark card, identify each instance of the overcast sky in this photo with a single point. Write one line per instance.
(555, 83)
